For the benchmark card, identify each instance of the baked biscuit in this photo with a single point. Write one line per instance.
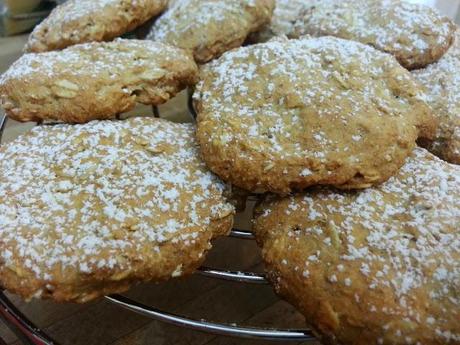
(94, 80)
(415, 34)
(379, 266)
(285, 115)
(442, 82)
(80, 21)
(88, 210)
(210, 27)
(284, 16)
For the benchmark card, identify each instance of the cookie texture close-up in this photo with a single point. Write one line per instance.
(210, 27)
(415, 34)
(80, 21)
(94, 80)
(379, 266)
(442, 83)
(284, 16)
(88, 210)
(289, 114)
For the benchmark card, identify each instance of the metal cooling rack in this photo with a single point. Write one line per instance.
(28, 333)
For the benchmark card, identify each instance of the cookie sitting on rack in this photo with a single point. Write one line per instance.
(80, 21)
(289, 114)
(94, 80)
(379, 266)
(89, 210)
(210, 27)
(415, 34)
(442, 82)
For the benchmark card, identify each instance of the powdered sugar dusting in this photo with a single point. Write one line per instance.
(442, 82)
(399, 238)
(72, 10)
(208, 26)
(81, 197)
(78, 21)
(184, 16)
(265, 93)
(94, 60)
(393, 26)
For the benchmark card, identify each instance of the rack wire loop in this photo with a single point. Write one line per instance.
(21, 325)
(2, 125)
(236, 276)
(242, 234)
(211, 327)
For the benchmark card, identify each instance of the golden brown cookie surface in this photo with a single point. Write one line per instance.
(80, 21)
(415, 34)
(442, 83)
(88, 210)
(210, 27)
(94, 80)
(285, 115)
(379, 266)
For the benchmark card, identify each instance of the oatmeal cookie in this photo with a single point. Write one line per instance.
(288, 114)
(378, 266)
(94, 80)
(88, 210)
(80, 21)
(210, 27)
(415, 34)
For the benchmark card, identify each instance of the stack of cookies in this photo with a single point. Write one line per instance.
(359, 226)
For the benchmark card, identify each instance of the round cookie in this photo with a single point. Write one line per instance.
(288, 114)
(416, 35)
(442, 82)
(88, 210)
(210, 27)
(80, 21)
(284, 16)
(94, 80)
(379, 266)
